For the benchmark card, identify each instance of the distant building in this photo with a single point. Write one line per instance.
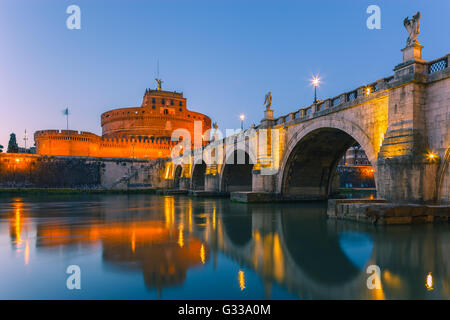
(355, 170)
(355, 156)
(31, 150)
(138, 132)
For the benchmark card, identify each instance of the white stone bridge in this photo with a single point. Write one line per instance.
(401, 122)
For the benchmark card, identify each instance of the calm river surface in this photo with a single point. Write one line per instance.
(176, 247)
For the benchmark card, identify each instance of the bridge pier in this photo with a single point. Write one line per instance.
(212, 182)
(406, 171)
(262, 183)
(407, 179)
(185, 183)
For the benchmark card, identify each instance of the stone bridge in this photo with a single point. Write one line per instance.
(401, 122)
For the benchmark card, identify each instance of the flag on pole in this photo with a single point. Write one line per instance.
(66, 113)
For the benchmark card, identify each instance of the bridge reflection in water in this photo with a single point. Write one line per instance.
(292, 246)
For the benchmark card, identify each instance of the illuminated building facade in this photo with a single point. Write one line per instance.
(137, 132)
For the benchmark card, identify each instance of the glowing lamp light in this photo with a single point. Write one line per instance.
(368, 91)
(17, 160)
(431, 156)
(315, 81)
(242, 117)
(429, 282)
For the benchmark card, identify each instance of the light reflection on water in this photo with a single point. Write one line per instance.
(155, 247)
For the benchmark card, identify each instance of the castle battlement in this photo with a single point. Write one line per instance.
(163, 93)
(142, 141)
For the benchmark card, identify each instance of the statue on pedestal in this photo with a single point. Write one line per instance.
(159, 82)
(268, 100)
(268, 113)
(413, 28)
(215, 134)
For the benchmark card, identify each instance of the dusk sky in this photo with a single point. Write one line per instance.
(223, 55)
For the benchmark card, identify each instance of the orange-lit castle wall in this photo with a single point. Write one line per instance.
(139, 132)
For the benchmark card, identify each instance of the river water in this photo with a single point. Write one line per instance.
(177, 247)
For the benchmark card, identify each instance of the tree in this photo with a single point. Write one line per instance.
(13, 147)
(1, 148)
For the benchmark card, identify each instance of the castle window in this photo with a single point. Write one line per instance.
(153, 100)
(181, 103)
(181, 109)
(166, 111)
(163, 101)
(171, 102)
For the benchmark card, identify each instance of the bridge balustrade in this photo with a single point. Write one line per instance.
(352, 95)
(336, 101)
(438, 65)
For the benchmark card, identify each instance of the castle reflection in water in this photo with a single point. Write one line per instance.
(292, 245)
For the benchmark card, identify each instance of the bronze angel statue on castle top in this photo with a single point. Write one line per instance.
(413, 28)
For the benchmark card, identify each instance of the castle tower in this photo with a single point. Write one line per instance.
(136, 132)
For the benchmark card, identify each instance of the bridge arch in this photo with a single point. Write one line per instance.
(177, 176)
(234, 175)
(313, 152)
(198, 176)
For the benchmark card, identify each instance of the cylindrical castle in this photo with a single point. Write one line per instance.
(137, 132)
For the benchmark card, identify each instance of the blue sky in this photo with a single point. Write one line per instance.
(223, 55)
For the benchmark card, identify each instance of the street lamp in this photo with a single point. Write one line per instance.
(432, 156)
(25, 139)
(242, 117)
(315, 82)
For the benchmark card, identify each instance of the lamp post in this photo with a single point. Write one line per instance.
(315, 81)
(242, 117)
(25, 138)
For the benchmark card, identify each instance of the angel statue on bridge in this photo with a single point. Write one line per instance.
(413, 28)
(268, 100)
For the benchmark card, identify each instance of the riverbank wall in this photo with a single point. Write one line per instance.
(28, 171)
